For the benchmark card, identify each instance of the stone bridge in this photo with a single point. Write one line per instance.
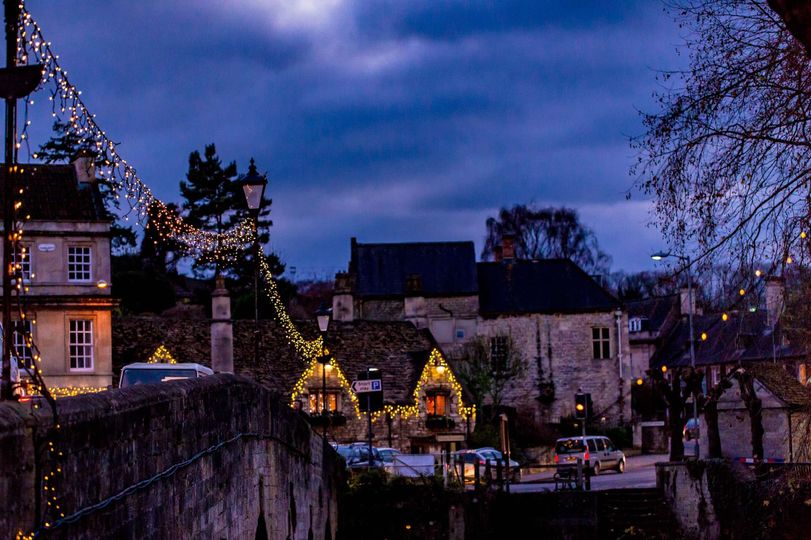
(217, 457)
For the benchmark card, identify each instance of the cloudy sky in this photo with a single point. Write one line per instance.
(385, 120)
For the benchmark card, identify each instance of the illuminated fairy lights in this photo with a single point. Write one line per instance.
(67, 105)
(435, 371)
(161, 356)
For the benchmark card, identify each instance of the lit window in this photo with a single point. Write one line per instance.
(436, 404)
(81, 344)
(79, 264)
(601, 343)
(316, 403)
(499, 353)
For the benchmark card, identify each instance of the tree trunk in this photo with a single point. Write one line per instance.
(675, 409)
(713, 434)
(755, 408)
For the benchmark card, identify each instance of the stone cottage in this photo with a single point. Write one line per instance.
(426, 407)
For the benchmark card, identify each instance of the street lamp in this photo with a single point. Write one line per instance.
(253, 185)
(658, 256)
(323, 316)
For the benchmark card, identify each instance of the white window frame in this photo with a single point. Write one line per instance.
(603, 341)
(18, 342)
(635, 324)
(715, 375)
(88, 345)
(80, 270)
(24, 261)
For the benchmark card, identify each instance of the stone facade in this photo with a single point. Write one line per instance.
(265, 468)
(67, 271)
(558, 349)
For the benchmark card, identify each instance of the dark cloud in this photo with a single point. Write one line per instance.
(383, 120)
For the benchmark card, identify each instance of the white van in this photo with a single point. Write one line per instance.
(144, 373)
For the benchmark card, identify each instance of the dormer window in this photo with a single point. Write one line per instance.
(437, 403)
(636, 324)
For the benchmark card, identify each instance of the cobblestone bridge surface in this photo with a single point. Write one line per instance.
(217, 457)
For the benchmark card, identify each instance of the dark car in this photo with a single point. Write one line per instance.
(356, 456)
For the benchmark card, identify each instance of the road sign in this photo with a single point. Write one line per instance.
(372, 385)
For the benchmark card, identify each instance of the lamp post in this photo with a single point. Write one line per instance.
(323, 316)
(253, 185)
(687, 265)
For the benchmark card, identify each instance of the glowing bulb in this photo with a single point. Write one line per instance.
(639, 382)
(742, 292)
(703, 336)
(758, 273)
(664, 369)
(724, 317)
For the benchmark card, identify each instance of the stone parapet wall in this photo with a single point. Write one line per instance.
(265, 467)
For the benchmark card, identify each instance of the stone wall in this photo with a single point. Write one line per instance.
(688, 494)
(559, 348)
(265, 469)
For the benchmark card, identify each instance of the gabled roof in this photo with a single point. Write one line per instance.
(780, 383)
(539, 286)
(444, 268)
(655, 310)
(743, 338)
(53, 193)
(397, 348)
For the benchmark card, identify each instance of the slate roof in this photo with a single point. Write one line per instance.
(52, 193)
(743, 338)
(397, 348)
(445, 268)
(654, 310)
(780, 383)
(539, 286)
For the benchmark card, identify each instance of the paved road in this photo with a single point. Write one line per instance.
(640, 472)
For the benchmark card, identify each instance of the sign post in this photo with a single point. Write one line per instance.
(369, 383)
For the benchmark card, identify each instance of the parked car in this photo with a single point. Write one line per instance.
(387, 454)
(144, 373)
(356, 456)
(480, 457)
(597, 454)
(691, 429)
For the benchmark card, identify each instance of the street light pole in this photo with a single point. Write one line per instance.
(253, 185)
(323, 316)
(690, 308)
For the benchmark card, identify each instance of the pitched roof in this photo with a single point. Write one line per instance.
(53, 193)
(780, 383)
(743, 338)
(397, 348)
(655, 310)
(445, 268)
(539, 286)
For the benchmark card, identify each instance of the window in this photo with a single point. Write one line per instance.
(460, 333)
(437, 404)
(601, 343)
(499, 353)
(80, 344)
(635, 324)
(592, 446)
(22, 262)
(21, 348)
(600, 444)
(715, 375)
(316, 402)
(79, 264)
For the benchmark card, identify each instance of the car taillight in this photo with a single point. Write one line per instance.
(557, 459)
(586, 456)
(481, 462)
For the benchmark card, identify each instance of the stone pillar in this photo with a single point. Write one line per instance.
(343, 301)
(414, 302)
(222, 332)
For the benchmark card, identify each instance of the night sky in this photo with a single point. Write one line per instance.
(388, 121)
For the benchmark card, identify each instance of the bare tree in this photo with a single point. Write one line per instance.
(754, 407)
(546, 233)
(727, 157)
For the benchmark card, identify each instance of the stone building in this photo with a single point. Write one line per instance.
(785, 415)
(431, 284)
(426, 408)
(567, 329)
(66, 266)
(649, 321)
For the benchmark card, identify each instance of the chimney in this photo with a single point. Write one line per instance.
(684, 304)
(508, 248)
(775, 292)
(85, 166)
(222, 332)
(343, 300)
(414, 301)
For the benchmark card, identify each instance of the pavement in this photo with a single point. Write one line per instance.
(640, 472)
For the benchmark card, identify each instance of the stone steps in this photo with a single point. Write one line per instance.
(640, 512)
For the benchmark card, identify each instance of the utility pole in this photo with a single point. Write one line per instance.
(15, 82)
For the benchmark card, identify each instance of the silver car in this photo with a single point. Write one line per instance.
(597, 454)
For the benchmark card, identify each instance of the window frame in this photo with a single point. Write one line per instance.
(601, 342)
(26, 261)
(315, 395)
(435, 398)
(18, 341)
(499, 353)
(91, 345)
(89, 264)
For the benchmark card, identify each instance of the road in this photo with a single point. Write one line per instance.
(640, 472)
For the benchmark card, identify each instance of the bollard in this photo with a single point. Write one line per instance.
(579, 474)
